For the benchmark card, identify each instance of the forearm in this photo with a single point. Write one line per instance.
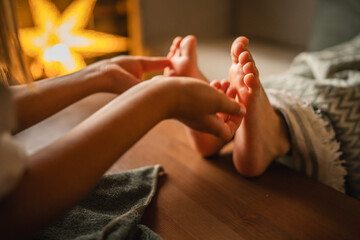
(61, 174)
(46, 97)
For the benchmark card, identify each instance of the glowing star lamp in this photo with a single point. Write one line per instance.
(58, 43)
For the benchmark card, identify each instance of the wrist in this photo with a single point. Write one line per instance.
(166, 94)
(100, 77)
(91, 81)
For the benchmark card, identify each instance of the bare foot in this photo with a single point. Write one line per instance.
(184, 63)
(183, 57)
(208, 144)
(262, 135)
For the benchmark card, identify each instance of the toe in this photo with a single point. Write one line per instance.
(225, 84)
(237, 47)
(244, 58)
(188, 46)
(231, 92)
(250, 67)
(174, 46)
(252, 82)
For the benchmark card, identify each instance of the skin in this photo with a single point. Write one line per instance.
(262, 135)
(183, 58)
(56, 179)
(49, 96)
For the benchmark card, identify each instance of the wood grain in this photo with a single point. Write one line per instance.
(206, 199)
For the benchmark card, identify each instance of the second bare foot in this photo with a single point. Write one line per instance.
(262, 135)
(183, 57)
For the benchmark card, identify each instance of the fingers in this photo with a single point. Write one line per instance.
(215, 125)
(236, 119)
(225, 87)
(217, 85)
(154, 63)
(137, 65)
(230, 106)
(204, 107)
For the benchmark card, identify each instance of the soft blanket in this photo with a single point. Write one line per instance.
(112, 210)
(322, 108)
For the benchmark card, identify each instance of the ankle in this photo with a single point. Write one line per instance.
(284, 145)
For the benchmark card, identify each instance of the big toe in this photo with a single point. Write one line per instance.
(188, 46)
(238, 46)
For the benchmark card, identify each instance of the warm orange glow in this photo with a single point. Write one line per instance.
(58, 42)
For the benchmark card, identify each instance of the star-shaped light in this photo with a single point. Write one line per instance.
(59, 42)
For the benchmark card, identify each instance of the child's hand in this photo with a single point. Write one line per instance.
(137, 65)
(120, 73)
(232, 121)
(197, 104)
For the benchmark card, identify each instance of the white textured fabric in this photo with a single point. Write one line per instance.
(315, 151)
(330, 81)
(12, 155)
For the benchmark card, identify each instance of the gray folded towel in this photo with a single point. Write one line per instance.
(112, 210)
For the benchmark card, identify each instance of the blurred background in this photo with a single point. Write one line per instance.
(61, 36)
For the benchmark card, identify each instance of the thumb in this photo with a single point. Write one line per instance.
(154, 63)
(230, 106)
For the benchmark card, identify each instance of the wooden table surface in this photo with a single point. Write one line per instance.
(201, 198)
